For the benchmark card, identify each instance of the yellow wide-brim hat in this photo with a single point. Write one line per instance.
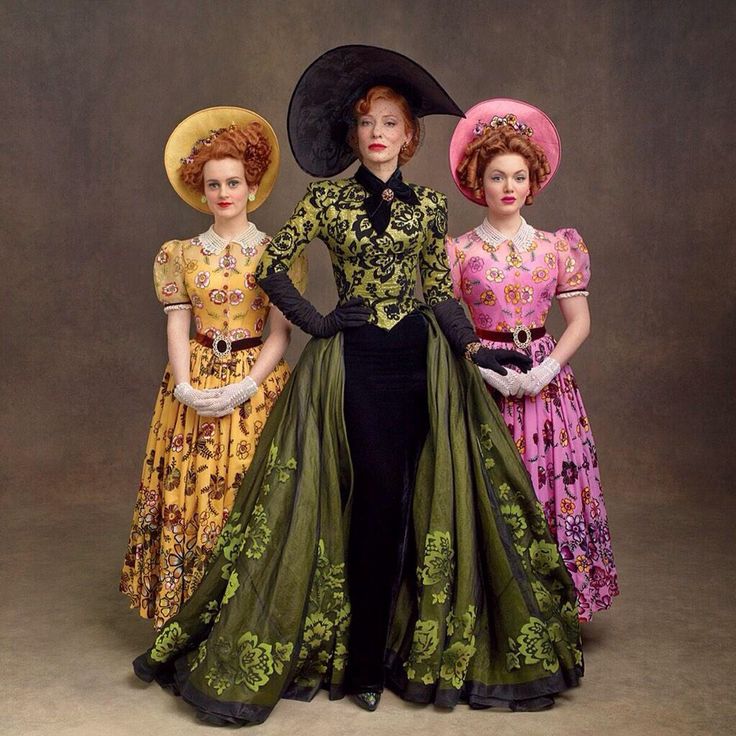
(199, 125)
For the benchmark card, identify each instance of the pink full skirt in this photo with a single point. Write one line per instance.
(553, 436)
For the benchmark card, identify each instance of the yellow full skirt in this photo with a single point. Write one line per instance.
(192, 470)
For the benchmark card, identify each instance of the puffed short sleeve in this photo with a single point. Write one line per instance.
(168, 276)
(573, 264)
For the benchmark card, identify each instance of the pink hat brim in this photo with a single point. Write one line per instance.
(544, 134)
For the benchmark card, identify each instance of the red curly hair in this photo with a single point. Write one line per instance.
(494, 142)
(245, 143)
(411, 122)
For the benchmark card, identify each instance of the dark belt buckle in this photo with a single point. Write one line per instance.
(522, 336)
(222, 346)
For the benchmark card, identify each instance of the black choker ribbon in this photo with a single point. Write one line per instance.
(381, 195)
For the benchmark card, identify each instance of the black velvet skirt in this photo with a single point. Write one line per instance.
(386, 421)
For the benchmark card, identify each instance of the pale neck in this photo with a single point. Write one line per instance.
(382, 171)
(507, 225)
(231, 228)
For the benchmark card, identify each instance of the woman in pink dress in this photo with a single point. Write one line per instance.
(509, 273)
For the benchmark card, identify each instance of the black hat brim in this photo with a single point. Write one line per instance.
(320, 111)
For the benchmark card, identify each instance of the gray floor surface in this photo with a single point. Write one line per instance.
(661, 661)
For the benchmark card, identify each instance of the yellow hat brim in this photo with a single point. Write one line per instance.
(199, 125)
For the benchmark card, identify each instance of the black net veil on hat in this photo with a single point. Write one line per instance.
(321, 107)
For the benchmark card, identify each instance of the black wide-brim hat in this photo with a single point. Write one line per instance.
(321, 107)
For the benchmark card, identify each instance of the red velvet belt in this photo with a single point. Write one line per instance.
(223, 346)
(521, 336)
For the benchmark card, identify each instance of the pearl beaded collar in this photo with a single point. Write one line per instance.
(521, 241)
(213, 244)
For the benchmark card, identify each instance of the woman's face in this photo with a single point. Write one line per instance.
(381, 133)
(226, 189)
(506, 184)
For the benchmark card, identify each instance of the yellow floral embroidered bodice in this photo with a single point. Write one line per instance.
(219, 287)
(379, 268)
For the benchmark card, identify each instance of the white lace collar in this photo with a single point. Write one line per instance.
(213, 244)
(521, 241)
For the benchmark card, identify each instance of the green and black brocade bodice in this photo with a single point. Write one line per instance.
(379, 268)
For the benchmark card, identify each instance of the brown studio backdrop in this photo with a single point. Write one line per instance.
(641, 94)
(92, 90)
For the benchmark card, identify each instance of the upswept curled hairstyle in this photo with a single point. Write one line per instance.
(411, 121)
(245, 143)
(494, 142)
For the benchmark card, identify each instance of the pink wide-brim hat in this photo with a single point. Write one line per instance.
(544, 134)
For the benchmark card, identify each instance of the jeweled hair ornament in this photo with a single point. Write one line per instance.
(507, 121)
(207, 141)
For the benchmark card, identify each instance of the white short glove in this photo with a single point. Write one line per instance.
(224, 400)
(507, 385)
(538, 377)
(192, 397)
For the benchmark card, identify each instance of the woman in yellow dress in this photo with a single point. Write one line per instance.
(219, 387)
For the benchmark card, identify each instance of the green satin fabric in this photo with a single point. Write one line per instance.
(381, 269)
(487, 616)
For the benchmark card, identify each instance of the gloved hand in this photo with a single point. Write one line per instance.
(496, 358)
(459, 332)
(192, 397)
(506, 385)
(224, 400)
(282, 292)
(353, 313)
(538, 377)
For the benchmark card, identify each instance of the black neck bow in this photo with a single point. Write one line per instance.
(381, 195)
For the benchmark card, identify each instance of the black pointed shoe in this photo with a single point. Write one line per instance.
(368, 700)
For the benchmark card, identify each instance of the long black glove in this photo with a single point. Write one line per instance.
(282, 292)
(459, 332)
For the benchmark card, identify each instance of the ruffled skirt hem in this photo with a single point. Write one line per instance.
(532, 696)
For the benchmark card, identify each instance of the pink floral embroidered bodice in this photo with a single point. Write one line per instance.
(504, 287)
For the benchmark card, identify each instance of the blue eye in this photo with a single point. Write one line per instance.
(233, 184)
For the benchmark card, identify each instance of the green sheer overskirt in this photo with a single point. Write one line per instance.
(485, 612)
